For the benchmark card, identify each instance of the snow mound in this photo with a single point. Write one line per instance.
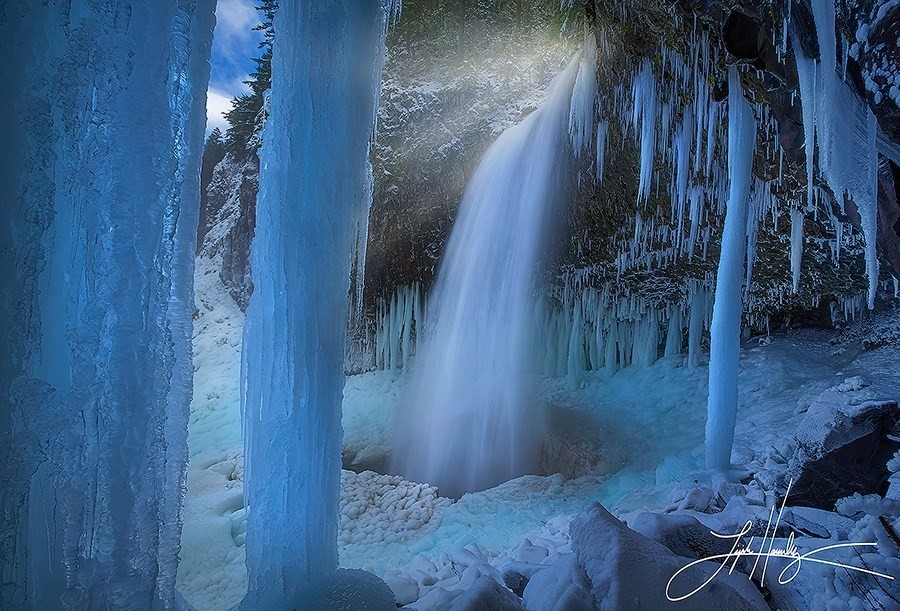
(383, 517)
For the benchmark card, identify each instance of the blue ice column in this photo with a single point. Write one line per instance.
(725, 329)
(103, 119)
(325, 77)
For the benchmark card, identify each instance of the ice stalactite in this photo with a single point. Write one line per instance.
(400, 320)
(602, 134)
(103, 131)
(796, 246)
(583, 105)
(645, 101)
(725, 330)
(699, 319)
(465, 423)
(326, 68)
(845, 130)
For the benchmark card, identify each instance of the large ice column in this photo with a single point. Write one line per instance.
(103, 126)
(725, 329)
(325, 76)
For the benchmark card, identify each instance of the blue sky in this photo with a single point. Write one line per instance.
(234, 44)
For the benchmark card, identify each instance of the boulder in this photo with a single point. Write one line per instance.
(683, 535)
(346, 590)
(842, 450)
(627, 570)
(562, 586)
(487, 595)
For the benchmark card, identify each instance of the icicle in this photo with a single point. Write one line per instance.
(846, 131)
(754, 212)
(698, 303)
(796, 247)
(645, 101)
(610, 356)
(575, 365)
(674, 332)
(583, 109)
(602, 132)
(726, 322)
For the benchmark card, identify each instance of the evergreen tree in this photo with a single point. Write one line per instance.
(213, 153)
(245, 110)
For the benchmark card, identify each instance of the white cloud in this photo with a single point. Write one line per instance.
(234, 36)
(234, 43)
(217, 104)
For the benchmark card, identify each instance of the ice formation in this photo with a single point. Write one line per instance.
(845, 130)
(326, 69)
(583, 107)
(103, 127)
(466, 425)
(725, 330)
(796, 247)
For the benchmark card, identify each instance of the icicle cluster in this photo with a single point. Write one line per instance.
(400, 320)
(580, 328)
(845, 130)
(681, 137)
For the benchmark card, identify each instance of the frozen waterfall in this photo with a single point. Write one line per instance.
(466, 423)
(725, 330)
(102, 123)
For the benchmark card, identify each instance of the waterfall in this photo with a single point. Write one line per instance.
(466, 424)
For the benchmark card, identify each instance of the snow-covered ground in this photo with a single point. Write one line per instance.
(649, 424)
(211, 573)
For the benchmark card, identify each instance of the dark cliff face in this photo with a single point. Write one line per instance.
(449, 90)
(425, 154)
(440, 110)
(231, 219)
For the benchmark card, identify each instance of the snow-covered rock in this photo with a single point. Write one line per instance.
(562, 586)
(843, 449)
(683, 535)
(487, 595)
(629, 571)
(347, 590)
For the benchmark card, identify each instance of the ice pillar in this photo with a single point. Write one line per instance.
(725, 329)
(325, 77)
(103, 126)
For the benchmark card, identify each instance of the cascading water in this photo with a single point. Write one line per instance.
(466, 425)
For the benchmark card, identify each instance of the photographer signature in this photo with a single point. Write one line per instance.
(788, 551)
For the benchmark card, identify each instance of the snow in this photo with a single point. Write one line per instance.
(99, 211)
(522, 526)
(345, 590)
(724, 351)
(211, 572)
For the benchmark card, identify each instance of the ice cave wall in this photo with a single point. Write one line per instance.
(103, 124)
